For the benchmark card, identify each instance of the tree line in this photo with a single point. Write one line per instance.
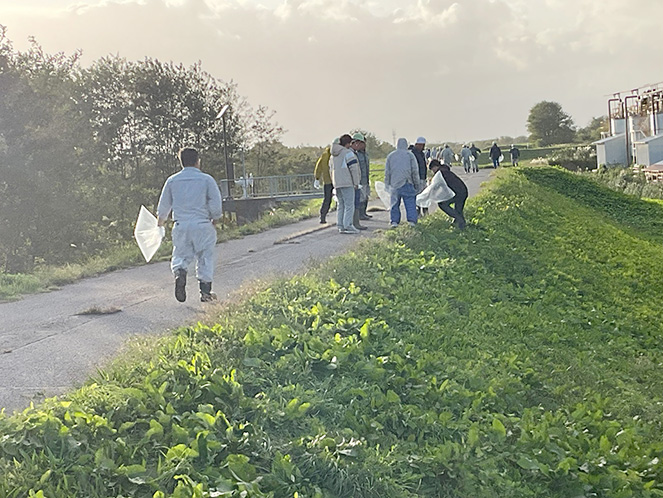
(82, 147)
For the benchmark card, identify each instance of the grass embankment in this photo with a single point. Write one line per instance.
(12, 286)
(520, 357)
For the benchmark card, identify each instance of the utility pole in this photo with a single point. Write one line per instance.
(230, 175)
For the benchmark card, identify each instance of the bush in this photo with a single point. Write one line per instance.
(628, 181)
(580, 158)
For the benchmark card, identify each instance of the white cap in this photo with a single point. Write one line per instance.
(420, 140)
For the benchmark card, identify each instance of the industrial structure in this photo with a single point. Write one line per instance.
(636, 129)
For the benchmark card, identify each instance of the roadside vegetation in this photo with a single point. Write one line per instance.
(519, 357)
(627, 181)
(49, 277)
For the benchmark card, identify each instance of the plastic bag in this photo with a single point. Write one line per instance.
(383, 194)
(148, 235)
(437, 191)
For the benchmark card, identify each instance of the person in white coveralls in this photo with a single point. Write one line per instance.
(195, 201)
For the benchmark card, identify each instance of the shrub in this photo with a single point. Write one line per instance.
(574, 158)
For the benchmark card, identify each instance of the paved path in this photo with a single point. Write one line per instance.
(47, 346)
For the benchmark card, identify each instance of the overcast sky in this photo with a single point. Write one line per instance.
(447, 70)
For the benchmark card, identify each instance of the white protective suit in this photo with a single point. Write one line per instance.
(195, 200)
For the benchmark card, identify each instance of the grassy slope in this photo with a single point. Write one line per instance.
(518, 358)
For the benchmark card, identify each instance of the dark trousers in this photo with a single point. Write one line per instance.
(326, 201)
(455, 212)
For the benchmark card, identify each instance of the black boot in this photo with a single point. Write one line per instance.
(180, 285)
(355, 221)
(206, 294)
(363, 215)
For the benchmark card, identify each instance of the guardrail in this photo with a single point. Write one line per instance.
(264, 187)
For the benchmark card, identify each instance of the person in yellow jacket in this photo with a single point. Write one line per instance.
(322, 175)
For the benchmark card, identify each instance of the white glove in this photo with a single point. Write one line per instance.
(162, 232)
(316, 184)
(359, 187)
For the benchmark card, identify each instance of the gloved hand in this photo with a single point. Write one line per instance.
(162, 232)
(359, 187)
(316, 184)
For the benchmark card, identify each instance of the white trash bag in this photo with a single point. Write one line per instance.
(437, 191)
(148, 235)
(383, 194)
(501, 158)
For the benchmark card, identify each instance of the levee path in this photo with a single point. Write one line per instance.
(50, 343)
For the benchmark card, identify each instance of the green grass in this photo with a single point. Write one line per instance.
(519, 357)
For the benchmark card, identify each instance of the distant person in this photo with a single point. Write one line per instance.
(402, 180)
(515, 155)
(322, 175)
(459, 188)
(344, 168)
(475, 153)
(195, 201)
(363, 193)
(448, 155)
(495, 153)
(418, 150)
(466, 158)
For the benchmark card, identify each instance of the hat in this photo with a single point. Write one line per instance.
(358, 136)
(420, 140)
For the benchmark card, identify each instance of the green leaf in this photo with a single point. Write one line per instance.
(498, 427)
(392, 397)
(155, 430)
(131, 470)
(527, 463)
(241, 468)
(252, 362)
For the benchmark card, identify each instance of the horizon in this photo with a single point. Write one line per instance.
(449, 71)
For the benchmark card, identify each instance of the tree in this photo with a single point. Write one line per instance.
(263, 138)
(81, 149)
(376, 148)
(548, 124)
(593, 130)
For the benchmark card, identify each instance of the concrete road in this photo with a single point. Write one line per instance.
(48, 344)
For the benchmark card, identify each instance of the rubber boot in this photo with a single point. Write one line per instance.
(363, 215)
(206, 294)
(180, 285)
(355, 221)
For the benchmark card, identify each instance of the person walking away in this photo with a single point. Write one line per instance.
(344, 168)
(459, 188)
(418, 150)
(364, 191)
(515, 155)
(495, 153)
(402, 180)
(465, 157)
(475, 153)
(194, 199)
(323, 175)
(448, 155)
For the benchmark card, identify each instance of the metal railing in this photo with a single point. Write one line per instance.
(293, 186)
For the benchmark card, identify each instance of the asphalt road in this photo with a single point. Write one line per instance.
(48, 344)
